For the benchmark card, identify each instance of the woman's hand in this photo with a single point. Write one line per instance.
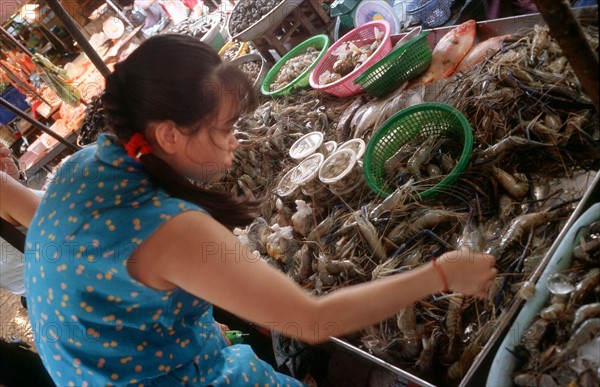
(468, 272)
(7, 164)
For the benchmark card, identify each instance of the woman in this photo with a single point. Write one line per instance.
(126, 258)
(19, 366)
(17, 206)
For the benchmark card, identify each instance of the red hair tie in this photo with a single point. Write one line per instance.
(137, 146)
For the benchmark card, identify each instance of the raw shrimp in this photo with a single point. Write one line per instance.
(509, 143)
(517, 227)
(397, 198)
(425, 219)
(456, 306)
(407, 323)
(584, 313)
(368, 231)
(516, 185)
(459, 368)
(586, 332)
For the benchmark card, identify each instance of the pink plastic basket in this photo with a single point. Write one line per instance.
(362, 35)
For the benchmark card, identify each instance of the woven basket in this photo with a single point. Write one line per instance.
(420, 121)
(400, 65)
(365, 34)
(431, 13)
(319, 42)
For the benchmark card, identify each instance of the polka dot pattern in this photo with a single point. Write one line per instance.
(94, 324)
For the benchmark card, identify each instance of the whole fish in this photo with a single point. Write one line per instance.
(480, 51)
(448, 53)
(343, 126)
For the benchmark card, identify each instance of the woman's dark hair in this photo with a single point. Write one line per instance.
(181, 79)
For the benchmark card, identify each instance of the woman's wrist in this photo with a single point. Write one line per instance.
(441, 274)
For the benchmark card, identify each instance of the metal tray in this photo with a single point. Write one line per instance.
(477, 373)
(271, 19)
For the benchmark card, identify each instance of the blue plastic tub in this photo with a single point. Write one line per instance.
(14, 97)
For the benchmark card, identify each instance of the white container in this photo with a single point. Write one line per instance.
(357, 145)
(330, 146)
(306, 174)
(307, 145)
(254, 57)
(286, 188)
(369, 10)
(341, 171)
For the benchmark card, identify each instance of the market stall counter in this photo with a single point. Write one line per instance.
(522, 183)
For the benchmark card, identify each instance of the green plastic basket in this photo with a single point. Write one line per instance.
(418, 121)
(320, 42)
(400, 65)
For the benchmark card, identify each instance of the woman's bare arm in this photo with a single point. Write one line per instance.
(194, 252)
(17, 202)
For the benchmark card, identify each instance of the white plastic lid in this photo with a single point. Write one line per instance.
(286, 187)
(337, 165)
(306, 145)
(370, 10)
(307, 169)
(357, 145)
(408, 37)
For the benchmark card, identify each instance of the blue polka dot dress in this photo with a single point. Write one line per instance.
(93, 324)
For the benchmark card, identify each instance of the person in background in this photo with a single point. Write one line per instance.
(126, 257)
(20, 366)
(495, 9)
(17, 206)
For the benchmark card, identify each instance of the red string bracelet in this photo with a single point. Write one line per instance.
(441, 273)
(137, 146)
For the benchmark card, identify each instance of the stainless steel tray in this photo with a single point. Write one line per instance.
(477, 374)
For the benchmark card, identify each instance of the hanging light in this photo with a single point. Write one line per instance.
(113, 28)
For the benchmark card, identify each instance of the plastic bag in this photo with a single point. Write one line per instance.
(303, 220)
(12, 263)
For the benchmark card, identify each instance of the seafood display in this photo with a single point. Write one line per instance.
(561, 346)
(232, 51)
(191, 27)
(532, 79)
(350, 56)
(292, 68)
(249, 12)
(535, 152)
(424, 160)
(251, 69)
